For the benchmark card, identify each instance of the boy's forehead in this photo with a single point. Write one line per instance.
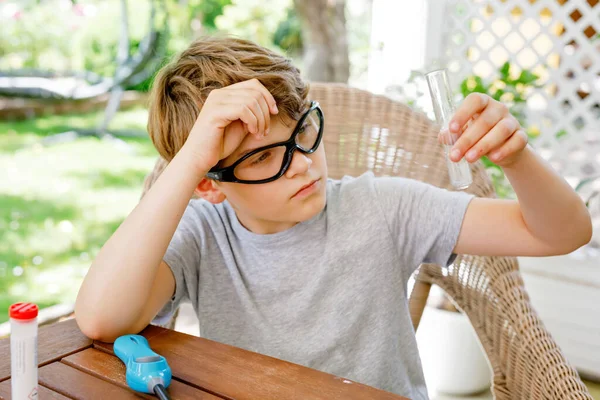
(280, 130)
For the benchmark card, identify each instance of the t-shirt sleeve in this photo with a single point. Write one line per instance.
(424, 220)
(183, 258)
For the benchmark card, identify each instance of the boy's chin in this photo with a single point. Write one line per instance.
(310, 209)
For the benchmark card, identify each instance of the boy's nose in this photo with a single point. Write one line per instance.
(300, 164)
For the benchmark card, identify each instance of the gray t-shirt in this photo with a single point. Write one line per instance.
(329, 293)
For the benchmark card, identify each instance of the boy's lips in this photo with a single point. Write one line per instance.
(308, 185)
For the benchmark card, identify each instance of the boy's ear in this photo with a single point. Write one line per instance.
(209, 191)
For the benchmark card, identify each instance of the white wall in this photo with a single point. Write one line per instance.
(398, 39)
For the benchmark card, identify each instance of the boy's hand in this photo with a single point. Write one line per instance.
(487, 128)
(227, 116)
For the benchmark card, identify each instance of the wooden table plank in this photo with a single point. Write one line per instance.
(43, 393)
(110, 368)
(76, 384)
(54, 342)
(238, 374)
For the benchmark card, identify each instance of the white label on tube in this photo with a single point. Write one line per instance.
(24, 379)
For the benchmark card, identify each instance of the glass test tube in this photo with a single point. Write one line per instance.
(443, 107)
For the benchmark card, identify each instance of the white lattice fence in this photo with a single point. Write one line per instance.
(559, 40)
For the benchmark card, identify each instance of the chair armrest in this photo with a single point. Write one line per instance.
(526, 361)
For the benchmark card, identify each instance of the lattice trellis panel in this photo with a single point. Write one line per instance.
(559, 40)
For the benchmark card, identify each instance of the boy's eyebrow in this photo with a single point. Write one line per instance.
(243, 153)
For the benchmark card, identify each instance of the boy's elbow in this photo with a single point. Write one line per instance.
(96, 329)
(587, 230)
(579, 237)
(89, 320)
(93, 330)
(101, 327)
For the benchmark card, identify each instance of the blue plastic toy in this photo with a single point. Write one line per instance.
(147, 372)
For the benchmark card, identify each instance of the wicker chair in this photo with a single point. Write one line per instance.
(364, 132)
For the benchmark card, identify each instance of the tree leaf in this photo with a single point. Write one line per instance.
(505, 71)
(498, 94)
(464, 88)
(480, 87)
(560, 134)
(527, 77)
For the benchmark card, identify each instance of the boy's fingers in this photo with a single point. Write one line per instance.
(258, 112)
(256, 85)
(449, 138)
(473, 104)
(248, 99)
(475, 131)
(267, 115)
(259, 104)
(495, 138)
(248, 117)
(515, 143)
(267, 95)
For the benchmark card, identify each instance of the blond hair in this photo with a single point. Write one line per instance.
(181, 87)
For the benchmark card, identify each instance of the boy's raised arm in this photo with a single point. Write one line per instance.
(128, 282)
(549, 217)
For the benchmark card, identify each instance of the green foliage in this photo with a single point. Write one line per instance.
(288, 35)
(512, 91)
(253, 20)
(207, 11)
(560, 133)
(85, 35)
(24, 45)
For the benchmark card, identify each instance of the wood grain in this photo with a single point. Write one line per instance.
(110, 368)
(54, 342)
(238, 374)
(198, 365)
(43, 393)
(76, 384)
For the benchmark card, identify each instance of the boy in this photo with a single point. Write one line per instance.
(278, 259)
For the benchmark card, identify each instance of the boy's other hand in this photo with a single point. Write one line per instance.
(227, 116)
(488, 129)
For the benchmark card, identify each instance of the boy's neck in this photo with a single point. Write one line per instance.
(263, 227)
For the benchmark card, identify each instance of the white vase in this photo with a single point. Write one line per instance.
(453, 359)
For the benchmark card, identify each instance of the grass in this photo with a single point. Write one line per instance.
(60, 203)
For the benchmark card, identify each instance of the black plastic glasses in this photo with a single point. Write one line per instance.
(269, 163)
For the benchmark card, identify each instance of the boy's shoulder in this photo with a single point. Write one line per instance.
(367, 195)
(201, 214)
(366, 191)
(370, 185)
